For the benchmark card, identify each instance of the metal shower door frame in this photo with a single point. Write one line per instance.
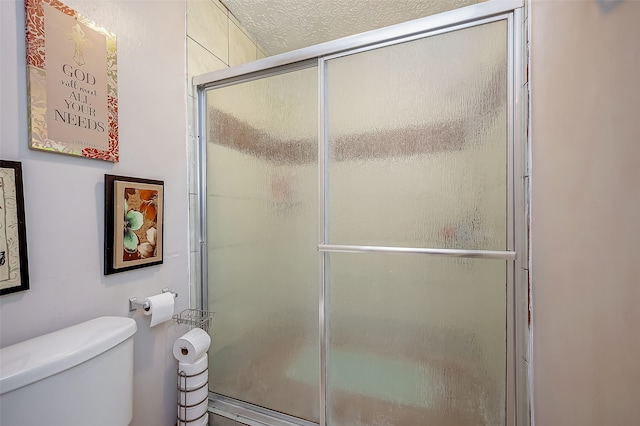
(517, 405)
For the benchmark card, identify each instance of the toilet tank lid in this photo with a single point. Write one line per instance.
(38, 358)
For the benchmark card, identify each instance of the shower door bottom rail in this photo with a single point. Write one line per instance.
(251, 415)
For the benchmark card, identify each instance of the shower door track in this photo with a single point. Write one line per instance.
(517, 387)
(291, 60)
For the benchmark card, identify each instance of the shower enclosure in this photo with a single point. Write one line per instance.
(363, 227)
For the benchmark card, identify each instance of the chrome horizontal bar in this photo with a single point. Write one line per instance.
(475, 254)
(429, 23)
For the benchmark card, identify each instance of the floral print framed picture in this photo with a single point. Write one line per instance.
(14, 268)
(133, 223)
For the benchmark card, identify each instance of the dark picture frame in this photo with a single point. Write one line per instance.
(14, 266)
(134, 220)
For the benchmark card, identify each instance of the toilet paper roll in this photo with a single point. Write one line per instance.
(197, 367)
(202, 421)
(193, 382)
(160, 308)
(187, 414)
(191, 346)
(193, 397)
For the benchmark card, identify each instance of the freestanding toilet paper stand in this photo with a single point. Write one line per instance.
(193, 379)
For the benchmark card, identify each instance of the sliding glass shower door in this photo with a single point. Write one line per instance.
(262, 209)
(417, 160)
(360, 240)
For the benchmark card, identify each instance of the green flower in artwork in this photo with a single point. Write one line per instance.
(133, 220)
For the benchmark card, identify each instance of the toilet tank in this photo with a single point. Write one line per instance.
(79, 376)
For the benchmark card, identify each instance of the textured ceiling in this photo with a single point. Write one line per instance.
(285, 25)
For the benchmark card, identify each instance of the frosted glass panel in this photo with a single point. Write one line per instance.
(415, 340)
(417, 157)
(262, 234)
(418, 142)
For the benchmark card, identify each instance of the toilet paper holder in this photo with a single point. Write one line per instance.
(134, 304)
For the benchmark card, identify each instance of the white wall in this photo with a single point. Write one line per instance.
(585, 63)
(64, 195)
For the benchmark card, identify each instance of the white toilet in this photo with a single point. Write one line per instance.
(79, 376)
